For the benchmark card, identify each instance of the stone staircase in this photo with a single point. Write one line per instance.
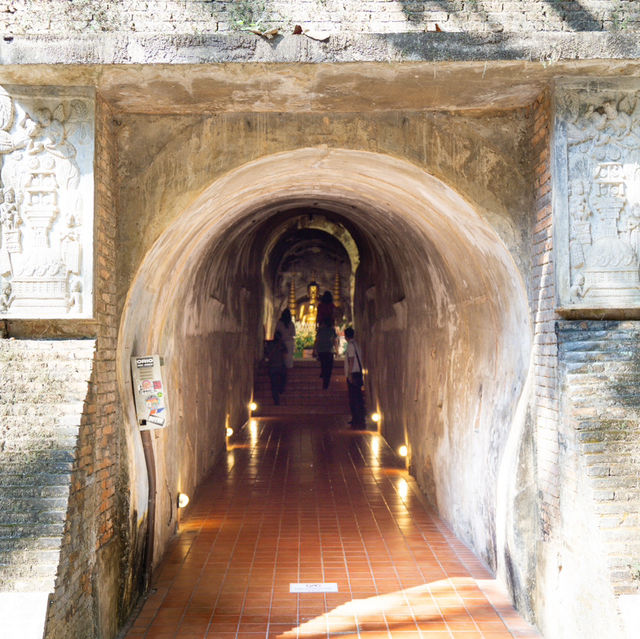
(304, 393)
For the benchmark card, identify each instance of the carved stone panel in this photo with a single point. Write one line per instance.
(597, 195)
(46, 202)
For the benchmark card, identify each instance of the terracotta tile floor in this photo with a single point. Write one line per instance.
(312, 503)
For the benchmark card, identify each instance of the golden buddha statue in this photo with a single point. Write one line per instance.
(309, 310)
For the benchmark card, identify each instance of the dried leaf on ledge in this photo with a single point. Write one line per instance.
(321, 36)
(269, 35)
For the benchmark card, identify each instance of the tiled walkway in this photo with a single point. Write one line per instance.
(312, 503)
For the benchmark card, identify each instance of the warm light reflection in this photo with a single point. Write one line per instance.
(403, 488)
(229, 432)
(375, 446)
(253, 406)
(376, 417)
(403, 451)
(253, 431)
(436, 603)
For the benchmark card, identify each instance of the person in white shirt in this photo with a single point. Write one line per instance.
(353, 371)
(287, 330)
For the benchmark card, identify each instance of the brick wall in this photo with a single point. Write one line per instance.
(543, 305)
(83, 599)
(107, 404)
(600, 372)
(38, 17)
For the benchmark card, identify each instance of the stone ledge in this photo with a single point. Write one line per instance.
(379, 47)
(51, 328)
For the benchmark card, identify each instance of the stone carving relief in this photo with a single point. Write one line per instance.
(598, 133)
(46, 202)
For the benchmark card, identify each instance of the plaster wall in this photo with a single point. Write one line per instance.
(434, 305)
(167, 161)
(444, 344)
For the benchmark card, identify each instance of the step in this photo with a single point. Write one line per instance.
(304, 393)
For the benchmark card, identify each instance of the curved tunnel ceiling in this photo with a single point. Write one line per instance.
(433, 275)
(398, 215)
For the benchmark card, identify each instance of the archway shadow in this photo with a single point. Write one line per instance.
(572, 12)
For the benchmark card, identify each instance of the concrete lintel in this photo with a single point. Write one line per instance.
(227, 87)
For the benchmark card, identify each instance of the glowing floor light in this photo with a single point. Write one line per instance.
(183, 500)
(403, 451)
(229, 432)
(253, 406)
(376, 417)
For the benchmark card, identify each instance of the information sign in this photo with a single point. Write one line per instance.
(149, 392)
(321, 587)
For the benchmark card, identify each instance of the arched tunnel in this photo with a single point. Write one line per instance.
(438, 303)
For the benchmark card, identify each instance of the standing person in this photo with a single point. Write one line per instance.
(326, 309)
(324, 348)
(287, 330)
(355, 381)
(275, 354)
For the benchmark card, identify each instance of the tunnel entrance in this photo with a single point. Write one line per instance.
(438, 302)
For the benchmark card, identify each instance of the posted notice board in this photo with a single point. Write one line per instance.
(149, 392)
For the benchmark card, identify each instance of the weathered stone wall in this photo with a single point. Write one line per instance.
(544, 316)
(43, 397)
(473, 153)
(599, 443)
(584, 440)
(372, 16)
(90, 586)
(209, 347)
(62, 409)
(527, 498)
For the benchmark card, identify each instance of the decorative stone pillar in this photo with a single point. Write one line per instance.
(597, 195)
(46, 202)
(597, 262)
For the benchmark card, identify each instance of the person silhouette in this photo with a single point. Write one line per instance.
(353, 371)
(326, 309)
(324, 347)
(287, 330)
(275, 355)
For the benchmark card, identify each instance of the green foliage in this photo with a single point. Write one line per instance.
(305, 336)
(249, 15)
(618, 23)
